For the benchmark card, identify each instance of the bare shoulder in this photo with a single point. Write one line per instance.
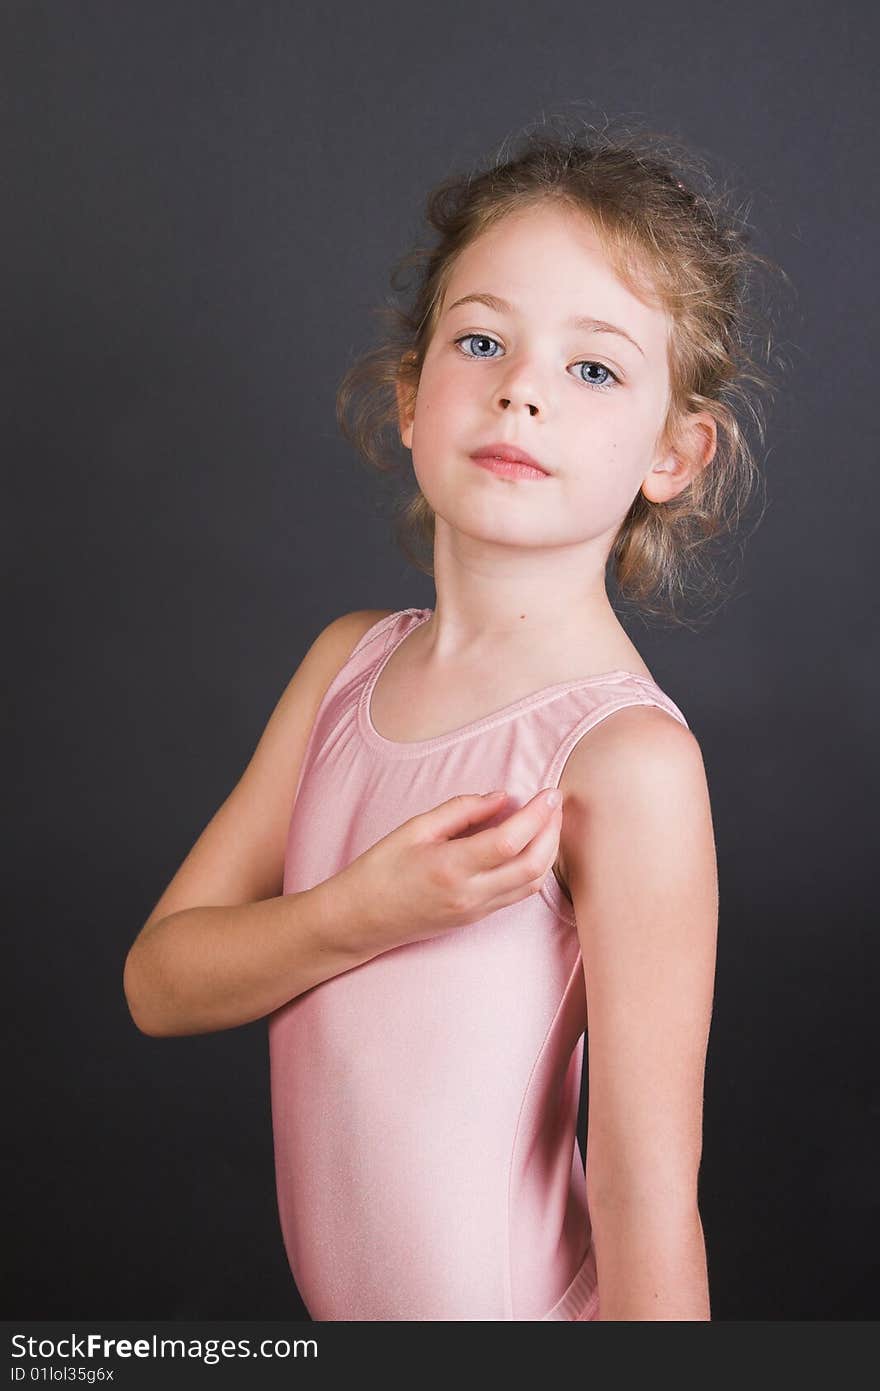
(294, 713)
(337, 640)
(640, 771)
(321, 662)
(638, 741)
(358, 621)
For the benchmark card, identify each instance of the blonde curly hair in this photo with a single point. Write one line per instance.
(663, 238)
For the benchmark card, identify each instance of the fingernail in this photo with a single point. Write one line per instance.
(500, 793)
(554, 797)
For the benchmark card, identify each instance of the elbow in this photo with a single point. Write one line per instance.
(133, 992)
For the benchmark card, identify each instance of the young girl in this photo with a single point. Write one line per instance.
(430, 959)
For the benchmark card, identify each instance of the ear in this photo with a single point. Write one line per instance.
(405, 412)
(673, 470)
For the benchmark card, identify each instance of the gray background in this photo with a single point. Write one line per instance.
(202, 203)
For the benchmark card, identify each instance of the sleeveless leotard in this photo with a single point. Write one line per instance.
(424, 1103)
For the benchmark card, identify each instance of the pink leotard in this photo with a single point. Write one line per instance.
(424, 1103)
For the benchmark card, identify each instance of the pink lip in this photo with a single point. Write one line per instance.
(508, 461)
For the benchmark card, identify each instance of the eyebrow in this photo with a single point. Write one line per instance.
(581, 321)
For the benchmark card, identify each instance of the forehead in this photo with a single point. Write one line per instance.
(549, 264)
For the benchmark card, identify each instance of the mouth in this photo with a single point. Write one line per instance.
(508, 461)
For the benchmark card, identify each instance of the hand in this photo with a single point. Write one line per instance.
(426, 876)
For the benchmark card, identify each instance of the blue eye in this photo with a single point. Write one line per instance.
(604, 385)
(485, 338)
(478, 337)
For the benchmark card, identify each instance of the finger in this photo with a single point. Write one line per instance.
(531, 864)
(459, 813)
(499, 844)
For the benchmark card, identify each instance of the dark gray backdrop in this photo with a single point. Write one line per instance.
(202, 201)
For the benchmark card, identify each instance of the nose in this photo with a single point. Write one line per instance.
(506, 401)
(521, 389)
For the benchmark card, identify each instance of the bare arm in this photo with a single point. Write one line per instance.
(224, 946)
(639, 856)
(209, 968)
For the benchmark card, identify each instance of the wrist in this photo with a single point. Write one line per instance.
(339, 924)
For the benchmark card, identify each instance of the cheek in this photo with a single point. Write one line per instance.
(439, 394)
(429, 445)
(603, 477)
(601, 494)
(618, 442)
(437, 422)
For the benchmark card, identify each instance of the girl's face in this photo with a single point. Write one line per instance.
(586, 403)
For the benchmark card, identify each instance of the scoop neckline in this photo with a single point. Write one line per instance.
(412, 747)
